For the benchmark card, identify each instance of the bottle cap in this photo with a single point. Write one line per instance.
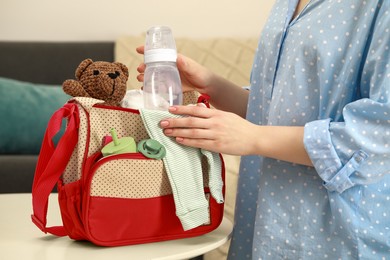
(119, 145)
(159, 45)
(151, 148)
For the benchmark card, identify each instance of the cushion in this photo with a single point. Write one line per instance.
(24, 113)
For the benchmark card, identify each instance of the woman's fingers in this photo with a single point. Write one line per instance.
(195, 117)
(184, 123)
(141, 68)
(195, 124)
(197, 111)
(140, 49)
(140, 78)
(207, 144)
(190, 133)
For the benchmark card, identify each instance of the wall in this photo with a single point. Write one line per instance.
(70, 20)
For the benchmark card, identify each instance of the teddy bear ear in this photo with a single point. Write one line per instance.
(81, 68)
(74, 88)
(123, 67)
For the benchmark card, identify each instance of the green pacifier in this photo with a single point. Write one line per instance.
(119, 145)
(151, 148)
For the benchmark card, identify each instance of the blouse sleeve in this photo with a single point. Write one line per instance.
(357, 150)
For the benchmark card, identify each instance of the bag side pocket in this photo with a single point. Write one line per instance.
(70, 198)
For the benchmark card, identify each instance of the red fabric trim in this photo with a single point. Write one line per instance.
(131, 110)
(51, 163)
(119, 221)
(205, 99)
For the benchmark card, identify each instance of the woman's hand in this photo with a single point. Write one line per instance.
(224, 132)
(224, 95)
(211, 129)
(193, 75)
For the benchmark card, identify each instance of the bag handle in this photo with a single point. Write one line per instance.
(51, 164)
(205, 99)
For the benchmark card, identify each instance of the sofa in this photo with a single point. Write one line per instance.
(41, 67)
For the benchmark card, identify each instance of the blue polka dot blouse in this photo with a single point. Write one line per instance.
(327, 69)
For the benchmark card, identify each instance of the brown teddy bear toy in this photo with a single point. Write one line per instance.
(100, 79)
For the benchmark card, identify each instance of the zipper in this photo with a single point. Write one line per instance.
(122, 156)
(97, 160)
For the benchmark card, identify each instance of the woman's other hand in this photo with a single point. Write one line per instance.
(193, 75)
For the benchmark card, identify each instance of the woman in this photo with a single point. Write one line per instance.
(315, 173)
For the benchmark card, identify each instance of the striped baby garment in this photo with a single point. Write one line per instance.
(184, 169)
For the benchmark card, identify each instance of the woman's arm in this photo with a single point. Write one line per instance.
(228, 133)
(224, 94)
(227, 96)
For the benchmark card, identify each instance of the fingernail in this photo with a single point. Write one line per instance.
(168, 131)
(164, 123)
(172, 109)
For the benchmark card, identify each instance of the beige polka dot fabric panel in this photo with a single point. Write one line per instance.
(118, 177)
(73, 169)
(130, 178)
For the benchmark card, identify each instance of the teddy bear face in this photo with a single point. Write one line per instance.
(105, 81)
(100, 80)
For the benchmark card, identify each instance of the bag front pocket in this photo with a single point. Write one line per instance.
(129, 201)
(129, 175)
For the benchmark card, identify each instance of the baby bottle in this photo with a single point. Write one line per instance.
(162, 86)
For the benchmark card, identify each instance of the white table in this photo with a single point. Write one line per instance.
(20, 239)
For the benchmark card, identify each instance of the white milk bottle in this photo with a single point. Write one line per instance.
(162, 85)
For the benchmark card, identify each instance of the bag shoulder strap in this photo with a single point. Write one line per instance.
(52, 162)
